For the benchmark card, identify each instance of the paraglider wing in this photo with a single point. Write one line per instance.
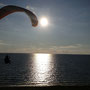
(6, 10)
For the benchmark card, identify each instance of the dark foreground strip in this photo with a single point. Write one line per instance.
(47, 88)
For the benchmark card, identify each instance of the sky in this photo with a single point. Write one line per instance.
(67, 32)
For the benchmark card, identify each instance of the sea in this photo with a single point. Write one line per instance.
(40, 69)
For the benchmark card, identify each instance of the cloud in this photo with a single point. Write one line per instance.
(71, 46)
(71, 49)
(1, 4)
(29, 7)
(3, 43)
(68, 49)
(52, 49)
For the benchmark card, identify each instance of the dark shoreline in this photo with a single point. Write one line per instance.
(46, 87)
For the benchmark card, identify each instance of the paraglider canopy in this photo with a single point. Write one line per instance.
(6, 10)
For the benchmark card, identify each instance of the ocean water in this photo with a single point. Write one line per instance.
(45, 70)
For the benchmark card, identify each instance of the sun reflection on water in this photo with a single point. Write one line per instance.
(42, 68)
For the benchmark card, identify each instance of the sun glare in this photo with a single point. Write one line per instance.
(44, 21)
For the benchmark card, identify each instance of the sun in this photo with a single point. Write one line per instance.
(43, 21)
